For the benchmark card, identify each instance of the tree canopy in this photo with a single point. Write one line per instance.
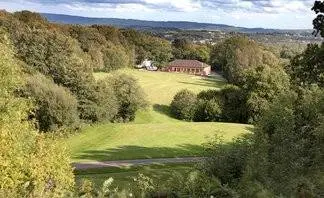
(31, 164)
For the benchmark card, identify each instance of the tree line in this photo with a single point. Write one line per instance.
(283, 154)
(48, 88)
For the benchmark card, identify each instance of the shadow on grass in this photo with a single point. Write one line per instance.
(207, 82)
(138, 152)
(163, 109)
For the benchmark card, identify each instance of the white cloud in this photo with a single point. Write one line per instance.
(250, 13)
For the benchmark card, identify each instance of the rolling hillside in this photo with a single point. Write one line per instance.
(154, 134)
(141, 24)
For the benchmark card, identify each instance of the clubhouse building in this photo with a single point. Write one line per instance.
(189, 66)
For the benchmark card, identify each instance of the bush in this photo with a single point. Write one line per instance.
(227, 161)
(207, 111)
(106, 101)
(183, 105)
(103, 106)
(234, 104)
(56, 107)
(287, 153)
(227, 104)
(130, 96)
(198, 184)
(211, 94)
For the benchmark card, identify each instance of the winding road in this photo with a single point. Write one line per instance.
(137, 162)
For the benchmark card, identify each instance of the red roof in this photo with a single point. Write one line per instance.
(188, 63)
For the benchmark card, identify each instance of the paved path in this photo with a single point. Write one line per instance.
(137, 162)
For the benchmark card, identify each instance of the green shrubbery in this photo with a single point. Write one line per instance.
(183, 105)
(184, 49)
(56, 107)
(130, 96)
(287, 155)
(69, 54)
(102, 106)
(282, 157)
(207, 111)
(227, 104)
(32, 165)
(227, 161)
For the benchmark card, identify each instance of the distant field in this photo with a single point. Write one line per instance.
(154, 134)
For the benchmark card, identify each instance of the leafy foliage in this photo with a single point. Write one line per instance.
(207, 111)
(149, 47)
(130, 96)
(183, 49)
(32, 165)
(255, 70)
(262, 85)
(183, 105)
(227, 161)
(308, 68)
(56, 107)
(234, 107)
(69, 54)
(227, 104)
(287, 152)
(115, 57)
(318, 22)
(237, 54)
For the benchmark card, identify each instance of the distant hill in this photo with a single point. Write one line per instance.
(145, 25)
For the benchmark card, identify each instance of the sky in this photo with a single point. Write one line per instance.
(282, 14)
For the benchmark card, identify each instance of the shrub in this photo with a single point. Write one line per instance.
(86, 189)
(227, 104)
(287, 153)
(198, 184)
(106, 101)
(233, 101)
(211, 94)
(183, 105)
(130, 96)
(227, 161)
(103, 105)
(56, 107)
(207, 111)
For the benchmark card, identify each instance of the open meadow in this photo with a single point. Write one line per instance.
(154, 134)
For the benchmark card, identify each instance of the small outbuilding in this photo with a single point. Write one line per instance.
(189, 66)
(148, 65)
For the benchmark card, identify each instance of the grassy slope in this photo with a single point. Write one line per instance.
(154, 133)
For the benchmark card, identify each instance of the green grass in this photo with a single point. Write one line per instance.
(154, 134)
(160, 87)
(155, 140)
(123, 177)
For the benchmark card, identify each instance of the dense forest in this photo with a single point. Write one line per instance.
(48, 89)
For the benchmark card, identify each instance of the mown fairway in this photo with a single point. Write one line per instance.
(154, 133)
